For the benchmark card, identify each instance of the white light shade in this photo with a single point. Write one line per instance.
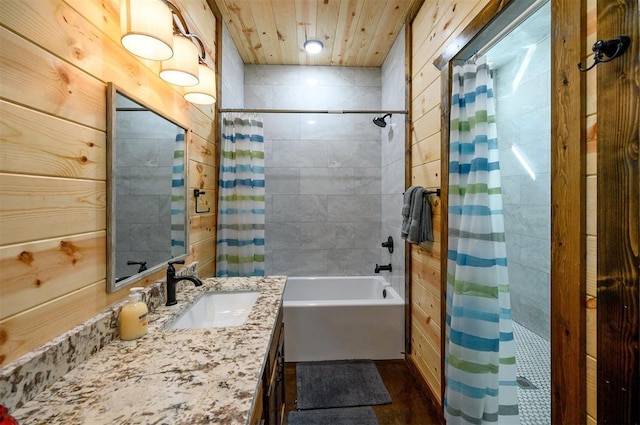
(182, 68)
(205, 92)
(147, 28)
(313, 46)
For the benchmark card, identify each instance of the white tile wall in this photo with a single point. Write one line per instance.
(334, 182)
(322, 170)
(232, 84)
(393, 161)
(523, 120)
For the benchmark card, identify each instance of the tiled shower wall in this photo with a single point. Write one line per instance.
(323, 176)
(523, 120)
(393, 160)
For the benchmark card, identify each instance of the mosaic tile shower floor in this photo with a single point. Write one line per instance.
(533, 362)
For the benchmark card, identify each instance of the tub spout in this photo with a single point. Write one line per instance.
(380, 268)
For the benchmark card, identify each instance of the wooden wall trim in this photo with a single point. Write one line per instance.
(445, 127)
(568, 206)
(408, 152)
(217, 128)
(412, 13)
(618, 192)
(407, 181)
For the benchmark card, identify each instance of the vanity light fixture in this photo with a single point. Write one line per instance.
(147, 28)
(143, 27)
(205, 92)
(313, 46)
(182, 68)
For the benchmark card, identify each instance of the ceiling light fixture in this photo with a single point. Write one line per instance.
(147, 28)
(313, 46)
(183, 54)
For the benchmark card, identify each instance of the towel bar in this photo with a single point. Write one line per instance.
(431, 192)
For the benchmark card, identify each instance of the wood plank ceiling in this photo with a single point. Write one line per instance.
(354, 32)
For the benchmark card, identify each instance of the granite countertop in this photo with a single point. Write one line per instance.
(181, 376)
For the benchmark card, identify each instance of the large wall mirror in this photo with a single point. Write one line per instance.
(146, 186)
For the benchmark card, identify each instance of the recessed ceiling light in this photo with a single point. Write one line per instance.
(313, 46)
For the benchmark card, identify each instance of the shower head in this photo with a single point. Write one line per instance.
(380, 122)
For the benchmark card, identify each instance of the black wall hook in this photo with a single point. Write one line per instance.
(196, 194)
(610, 49)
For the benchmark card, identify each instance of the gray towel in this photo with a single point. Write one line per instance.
(406, 210)
(415, 231)
(418, 227)
(426, 229)
(406, 202)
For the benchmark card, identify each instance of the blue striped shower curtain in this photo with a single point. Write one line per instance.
(480, 364)
(241, 204)
(177, 197)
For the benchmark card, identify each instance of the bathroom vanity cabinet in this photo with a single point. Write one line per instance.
(269, 408)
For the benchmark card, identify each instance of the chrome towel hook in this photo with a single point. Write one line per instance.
(610, 49)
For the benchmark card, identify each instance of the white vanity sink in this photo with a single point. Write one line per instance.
(218, 310)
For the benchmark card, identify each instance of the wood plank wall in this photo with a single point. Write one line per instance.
(618, 219)
(435, 28)
(56, 59)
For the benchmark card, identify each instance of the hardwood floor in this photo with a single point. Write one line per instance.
(409, 406)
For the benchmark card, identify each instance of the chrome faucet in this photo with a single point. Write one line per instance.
(172, 280)
(380, 268)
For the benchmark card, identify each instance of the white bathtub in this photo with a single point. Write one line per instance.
(339, 318)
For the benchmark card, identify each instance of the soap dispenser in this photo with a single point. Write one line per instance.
(133, 316)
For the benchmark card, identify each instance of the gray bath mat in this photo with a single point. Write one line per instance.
(342, 416)
(346, 383)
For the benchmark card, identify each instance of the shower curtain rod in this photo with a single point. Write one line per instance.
(537, 4)
(312, 111)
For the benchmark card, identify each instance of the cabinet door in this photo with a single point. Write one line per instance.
(274, 401)
(272, 410)
(280, 387)
(273, 377)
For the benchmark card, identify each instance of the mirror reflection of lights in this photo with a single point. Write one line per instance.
(523, 67)
(523, 162)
